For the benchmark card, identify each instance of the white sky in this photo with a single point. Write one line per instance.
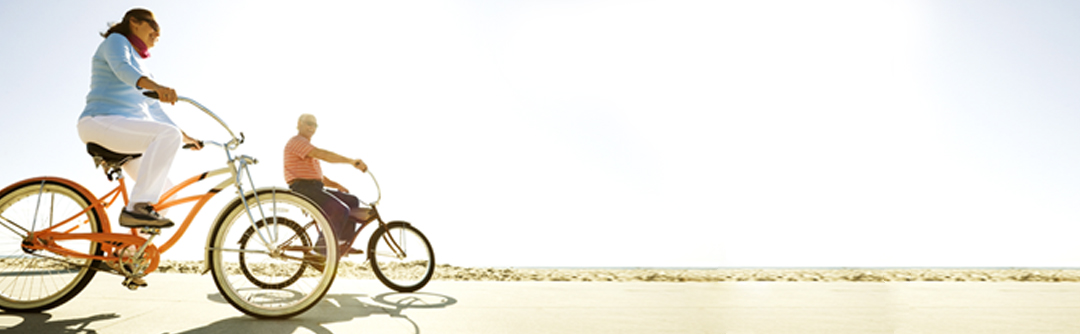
(617, 133)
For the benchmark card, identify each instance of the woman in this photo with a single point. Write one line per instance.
(118, 117)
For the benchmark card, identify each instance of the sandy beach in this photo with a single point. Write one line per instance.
(454, 273)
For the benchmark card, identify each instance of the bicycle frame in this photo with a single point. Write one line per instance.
(106, 201)
(398, 250)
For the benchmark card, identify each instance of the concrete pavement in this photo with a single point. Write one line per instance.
(179, 303)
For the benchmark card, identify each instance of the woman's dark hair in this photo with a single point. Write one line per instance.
(124, 26)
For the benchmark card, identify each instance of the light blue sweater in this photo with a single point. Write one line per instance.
(115, 69)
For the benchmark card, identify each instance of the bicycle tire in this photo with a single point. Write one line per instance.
(401, 273)
(38, 280)
(252, 272)
(236, 287)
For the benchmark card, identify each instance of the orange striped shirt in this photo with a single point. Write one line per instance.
(298, 165)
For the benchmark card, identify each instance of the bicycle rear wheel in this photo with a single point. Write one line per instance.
(401, 257)
(266, 270)
(269, 257)
(38, 280)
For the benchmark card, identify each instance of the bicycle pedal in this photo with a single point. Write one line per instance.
(150, 230)
(133, 283)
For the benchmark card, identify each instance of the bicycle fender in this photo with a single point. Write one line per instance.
(99, 209)
(402, 222)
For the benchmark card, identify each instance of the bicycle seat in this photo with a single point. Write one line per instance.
(109, 159)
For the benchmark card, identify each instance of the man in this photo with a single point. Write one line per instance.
(304, 176)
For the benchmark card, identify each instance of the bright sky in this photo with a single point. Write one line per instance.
(672, 133)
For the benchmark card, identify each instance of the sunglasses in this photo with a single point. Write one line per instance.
(153, 24)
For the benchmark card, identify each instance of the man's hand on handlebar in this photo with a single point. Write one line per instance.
(359, 164)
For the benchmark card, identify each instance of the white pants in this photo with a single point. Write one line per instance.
(158, 143)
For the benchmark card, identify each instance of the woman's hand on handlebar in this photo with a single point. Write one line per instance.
(165, 94)
(192, 143)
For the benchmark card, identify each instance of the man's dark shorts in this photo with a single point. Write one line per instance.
(335, 204)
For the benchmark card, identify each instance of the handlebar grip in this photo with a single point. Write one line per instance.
(151, 94)
(188, 146)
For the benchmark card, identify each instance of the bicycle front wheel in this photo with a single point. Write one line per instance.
(264, 268)
(401, 257)
(38, 280)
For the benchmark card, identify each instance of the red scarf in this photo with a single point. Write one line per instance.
(144, 52)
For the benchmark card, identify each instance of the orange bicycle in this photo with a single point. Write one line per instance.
(56, 235)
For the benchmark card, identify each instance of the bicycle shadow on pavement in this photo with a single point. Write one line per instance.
(334, 308)
(39, 323)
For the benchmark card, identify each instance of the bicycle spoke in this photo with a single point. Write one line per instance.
(392, 255)
(7, 223)
(237, 250)
(33, 223)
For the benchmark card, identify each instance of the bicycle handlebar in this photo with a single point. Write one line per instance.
(377, 189)
(232, 144)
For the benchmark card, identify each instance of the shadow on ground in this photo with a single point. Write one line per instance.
(39, 323)
(333, 309)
